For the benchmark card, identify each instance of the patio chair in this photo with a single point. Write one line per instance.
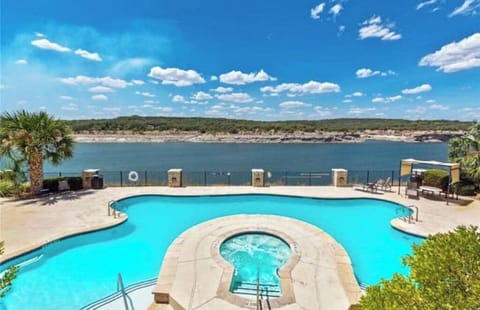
(412, 190)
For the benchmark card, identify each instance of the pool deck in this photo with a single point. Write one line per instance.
(28, 224)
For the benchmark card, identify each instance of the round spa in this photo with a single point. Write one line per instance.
(256, 257)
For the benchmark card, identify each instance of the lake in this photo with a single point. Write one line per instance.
(111, 158)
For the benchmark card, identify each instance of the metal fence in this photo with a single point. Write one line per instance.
(227, 178)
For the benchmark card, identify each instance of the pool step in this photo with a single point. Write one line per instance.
(250, 288)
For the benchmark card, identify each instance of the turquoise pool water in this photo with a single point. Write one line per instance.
(255, 255)
(73, 272)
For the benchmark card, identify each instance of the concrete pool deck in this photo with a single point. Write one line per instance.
(28, 224)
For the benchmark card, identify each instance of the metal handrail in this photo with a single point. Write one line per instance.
(258, 288)
(416, 213)
(121, 288)
(109, 206)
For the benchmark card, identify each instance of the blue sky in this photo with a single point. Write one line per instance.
(263, 60)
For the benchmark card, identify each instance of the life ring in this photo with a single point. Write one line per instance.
(133, 176)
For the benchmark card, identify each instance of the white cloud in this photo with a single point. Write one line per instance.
(439, 107)
(163, 109)
(70, 107)
(341, 30)
(417, 110)
(138, 82)
(386, 99)
(201, 96)
(99, 97)
(112, 109)
(419, 89)
(373, 28)
(66, 97)
(21, 62)
(145, 94)
(213, 78)
(175, 76)
(322, 112)
(87, 80)
(221, 89)
(367, 72)
(335, 10)
(431, 101)
(100, 89)
(240, 78)
(236, 97)
(293, 104)
(47, 45)
(456, 56)
(425, 3)
(315, 12)
(39, 34)
(178, 98)
(358, 94)
(88, 55)
(359, 111)
(469, 7)
(312, 87)
(347, 100)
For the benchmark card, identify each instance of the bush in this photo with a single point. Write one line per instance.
(75, 183)
(437, 178)
(51, 184)
(7, 188)
(465, 189)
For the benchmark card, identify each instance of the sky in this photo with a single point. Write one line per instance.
(249, 59)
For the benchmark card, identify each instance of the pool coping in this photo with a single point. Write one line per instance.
(306, 241)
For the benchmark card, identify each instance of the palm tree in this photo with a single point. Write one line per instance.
(35, 137)
(466, 151)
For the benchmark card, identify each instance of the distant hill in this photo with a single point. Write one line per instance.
(139, 124)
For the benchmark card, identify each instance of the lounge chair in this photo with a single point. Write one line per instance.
(384, 185)
(370, 187)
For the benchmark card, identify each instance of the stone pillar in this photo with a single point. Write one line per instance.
(175, 177)
(87, 177)
(258, 178)
(340, 177)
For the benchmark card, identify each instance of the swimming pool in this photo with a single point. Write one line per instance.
(73, 272)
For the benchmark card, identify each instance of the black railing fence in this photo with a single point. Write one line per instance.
(226, 178)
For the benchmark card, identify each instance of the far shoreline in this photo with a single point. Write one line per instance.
(270, 137)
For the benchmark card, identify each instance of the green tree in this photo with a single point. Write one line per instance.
(7, 278)
(444, 274)
(466, 151)
(35, 137)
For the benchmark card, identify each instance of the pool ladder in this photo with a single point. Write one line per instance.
(121, 288)
(410, 216)
(112, 210)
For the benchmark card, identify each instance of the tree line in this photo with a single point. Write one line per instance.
(140, 124)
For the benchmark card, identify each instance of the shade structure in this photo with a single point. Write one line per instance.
(454, 170)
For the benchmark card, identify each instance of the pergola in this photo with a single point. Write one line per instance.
(406, 166)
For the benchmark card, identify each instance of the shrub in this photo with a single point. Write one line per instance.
(7, 188)
(437, 178)
(465, 189)
(75, 183)
(51, 184)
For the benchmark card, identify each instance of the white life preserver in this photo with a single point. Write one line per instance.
(133, 176)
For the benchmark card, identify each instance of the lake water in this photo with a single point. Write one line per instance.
(228, 163)
(243, 157)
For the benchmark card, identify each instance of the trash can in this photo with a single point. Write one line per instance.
(97, 181)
